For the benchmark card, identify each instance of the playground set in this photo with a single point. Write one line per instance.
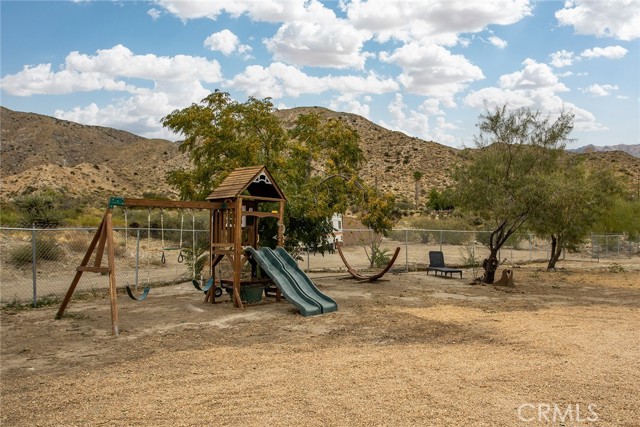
(234, 215)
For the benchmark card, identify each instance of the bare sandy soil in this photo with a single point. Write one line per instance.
(559, 348)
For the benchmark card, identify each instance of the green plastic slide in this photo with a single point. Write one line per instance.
(294, 284)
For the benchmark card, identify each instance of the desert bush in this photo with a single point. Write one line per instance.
(8, 216)
(47, 249)
(378, 257)
(39, 210)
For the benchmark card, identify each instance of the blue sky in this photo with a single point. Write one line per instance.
(423, 67)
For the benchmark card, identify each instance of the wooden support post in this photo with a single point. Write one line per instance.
(281, 223)
(237, 249)
(87, 256)
(113, 295)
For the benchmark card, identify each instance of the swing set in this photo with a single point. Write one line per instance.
(233, 227)
(164, 248)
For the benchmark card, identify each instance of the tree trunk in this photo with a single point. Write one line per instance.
(490, 266)
(556, 251)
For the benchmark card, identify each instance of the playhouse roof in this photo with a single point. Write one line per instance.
(253, 180)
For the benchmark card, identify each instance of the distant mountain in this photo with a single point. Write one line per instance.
(95, 162)
(634, 150)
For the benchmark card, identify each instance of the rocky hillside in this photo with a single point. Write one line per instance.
(40, 151)
(96, 162)
(392, 157)
(633, 150)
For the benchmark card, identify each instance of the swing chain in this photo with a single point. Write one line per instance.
(181, 255)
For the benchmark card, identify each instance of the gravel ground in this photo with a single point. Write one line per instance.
(559, 348)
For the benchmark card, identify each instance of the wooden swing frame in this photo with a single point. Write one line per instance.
(227, 206)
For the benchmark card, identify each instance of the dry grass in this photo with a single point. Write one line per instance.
(411, 350)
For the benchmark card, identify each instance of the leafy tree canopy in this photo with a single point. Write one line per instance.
(501, 184)
(316, 162)
(573, 199)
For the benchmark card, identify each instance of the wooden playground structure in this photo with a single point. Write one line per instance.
(234, 215)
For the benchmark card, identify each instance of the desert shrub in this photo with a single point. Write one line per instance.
(39, 210)
(8, 216)
(47, 249)
(379, 257)
(469, 257)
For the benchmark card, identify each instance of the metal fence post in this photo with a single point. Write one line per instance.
(34, 272)
(441, 233)
(138, 255)
(406, 251)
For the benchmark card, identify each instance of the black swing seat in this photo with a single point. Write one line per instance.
(145, 294)
(436, 264)
(206, 287)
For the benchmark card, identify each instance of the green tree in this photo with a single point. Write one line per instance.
(220, 135)
(441, 201)
(501, 185)
(316, 162)
(574, 200)
(417, 176)
(622, 216)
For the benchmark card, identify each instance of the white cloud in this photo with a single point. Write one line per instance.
(226, 42)
(166, 83)
(599, 90)
(40, 79)
(351, 104)
(120, 61)
(533, 76)
(436, 21)
(562, 58)
(497, 42)
(275, 81)
(416, 122)
(279, 79)
(319, 39)
(154, 13)
(603, 18)
(609, 52)
(536, 88)
(433, 70)
(263, 10)
(142, 112)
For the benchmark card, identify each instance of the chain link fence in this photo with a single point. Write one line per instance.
(36, 264)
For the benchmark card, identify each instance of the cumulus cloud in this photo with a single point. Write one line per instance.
(166, 83)
(432, 70)
(497, 42)
(142, 112)
(439, 22)
(602, 18)
(226, 42)
(351, 104)
(417, 122)
(533, 76)
(107, 70)
(319, 39)
(599, 90)
(534, 87)
(609, 52)
(562, 58)
(122, 62)
(279, 79)
(263, 10)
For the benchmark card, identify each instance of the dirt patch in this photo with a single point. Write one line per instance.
(408, 350)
